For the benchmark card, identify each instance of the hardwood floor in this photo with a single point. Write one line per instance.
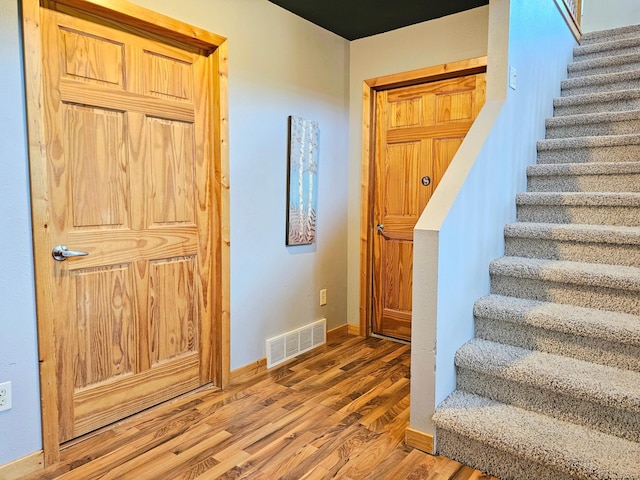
(339, 411)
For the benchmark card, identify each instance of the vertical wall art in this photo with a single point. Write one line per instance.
(303, 181)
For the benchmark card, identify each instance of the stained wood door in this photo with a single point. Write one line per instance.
(418, 131)
(128, 180)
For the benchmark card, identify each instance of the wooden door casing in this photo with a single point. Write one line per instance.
(418, 131)
(128, 162)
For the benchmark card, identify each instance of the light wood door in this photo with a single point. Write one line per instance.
(418, 131)
(128, 180)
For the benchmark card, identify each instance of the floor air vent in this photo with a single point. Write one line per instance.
(286, 346)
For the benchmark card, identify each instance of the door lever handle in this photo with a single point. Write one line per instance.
(380, 228)
(61, 253)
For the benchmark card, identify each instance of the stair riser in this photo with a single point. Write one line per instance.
(601, 87)
(573, 251)
(594, 129)
(585, 183)
(549, 401)
(580, 56)
(620, 216)
(504, 465)
(589, 349)
(616, 300)
(578, 71)
(622, 105)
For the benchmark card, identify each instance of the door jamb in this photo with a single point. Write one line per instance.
(215, 47)
(370, 88)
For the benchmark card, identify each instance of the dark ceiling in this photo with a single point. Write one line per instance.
(354, 19)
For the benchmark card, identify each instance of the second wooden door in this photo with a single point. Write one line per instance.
(418, 131)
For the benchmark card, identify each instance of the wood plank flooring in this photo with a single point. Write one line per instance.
(339, 411)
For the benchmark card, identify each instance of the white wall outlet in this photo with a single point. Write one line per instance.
(323, 296)
(513, 77)
(5, 396)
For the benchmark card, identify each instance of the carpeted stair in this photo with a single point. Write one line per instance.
(550, 387)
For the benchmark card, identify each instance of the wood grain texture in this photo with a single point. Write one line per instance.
(418, 130)
(126, 167)
(420, 440)
(221, 237)
(23, 466)
(572, 12)
(436, 72)
(371, 89)
(366, 212)
(135, 16)
(340, 411)
(89, 114)
(32, 33)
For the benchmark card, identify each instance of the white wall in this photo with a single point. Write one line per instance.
(461, 230)
(447, 39)
(279, 65)
(18, 352)
(604, 14)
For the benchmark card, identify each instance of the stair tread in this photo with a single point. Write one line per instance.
(574, 449)
(597, 199)
(606, 46)
(595, 168)
(588, 141)
(620, 277)
(600, 384)
(575, 232)
(587, 66)
(599, 79)
(598, 97)
(570, 319)
(603, 35)
(592, 118)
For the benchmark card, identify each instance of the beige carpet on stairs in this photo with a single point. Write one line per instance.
(550, 387)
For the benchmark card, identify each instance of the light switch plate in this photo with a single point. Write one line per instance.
(513, 77)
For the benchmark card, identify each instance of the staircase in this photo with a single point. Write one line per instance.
(550, 386)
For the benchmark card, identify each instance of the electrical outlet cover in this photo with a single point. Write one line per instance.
(5, 396)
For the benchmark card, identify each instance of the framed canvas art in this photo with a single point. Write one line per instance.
(302, 182)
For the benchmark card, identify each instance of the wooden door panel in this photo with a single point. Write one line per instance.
(173, 308)
(168, 77)
(405, 113)
(402, 161)
(172, 171)
(398, 255)
(418, 131)
(454, 106)
(444, 150)
(92, 58)
(104, 345)
(98, 172)
(105, 403)
(395, 318)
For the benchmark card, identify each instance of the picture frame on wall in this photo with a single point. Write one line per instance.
(302, 181)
